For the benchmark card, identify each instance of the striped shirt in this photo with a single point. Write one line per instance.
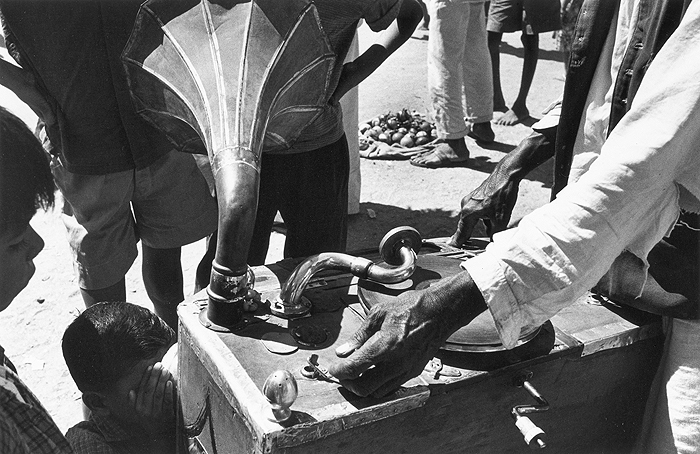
(105, 435)
(25, 425)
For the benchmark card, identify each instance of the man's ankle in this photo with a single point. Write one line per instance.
(458, 146)
(482, 131)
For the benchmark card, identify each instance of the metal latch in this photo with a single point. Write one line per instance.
(314, 370)
(437, 369)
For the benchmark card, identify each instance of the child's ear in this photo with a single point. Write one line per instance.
(95, 402)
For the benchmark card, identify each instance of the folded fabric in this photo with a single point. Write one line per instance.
(380, 150)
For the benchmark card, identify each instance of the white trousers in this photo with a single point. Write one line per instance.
(672, 416)
(459, 66)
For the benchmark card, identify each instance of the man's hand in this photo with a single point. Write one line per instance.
(492, 201)
(154, 400)
(398, 338)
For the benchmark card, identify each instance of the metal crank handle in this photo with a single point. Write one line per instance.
(534, 436)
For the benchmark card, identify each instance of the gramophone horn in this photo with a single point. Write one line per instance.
(227, 78)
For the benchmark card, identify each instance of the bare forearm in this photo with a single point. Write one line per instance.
(530, 153)
(391, 39)
(21, 82)
(13, 77)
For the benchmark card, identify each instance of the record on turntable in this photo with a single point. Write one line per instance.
(479, 336)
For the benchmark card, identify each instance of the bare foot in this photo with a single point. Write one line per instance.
(513, 117)
(443, 154)
(482, 132)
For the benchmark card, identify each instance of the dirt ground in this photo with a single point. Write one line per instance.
(394, 193)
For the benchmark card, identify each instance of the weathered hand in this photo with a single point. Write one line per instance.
(492, 201)
(398, 338)
(154, 400)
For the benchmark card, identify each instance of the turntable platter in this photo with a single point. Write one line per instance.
(479, 336)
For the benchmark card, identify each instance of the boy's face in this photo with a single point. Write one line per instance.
(116, 400)
(19, 244)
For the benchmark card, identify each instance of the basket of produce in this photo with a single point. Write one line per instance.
(396, 135)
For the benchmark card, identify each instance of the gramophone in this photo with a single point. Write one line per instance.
(225, 79)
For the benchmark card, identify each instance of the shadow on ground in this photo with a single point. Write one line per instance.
(367, 228)
(553, 55)
(543, 173)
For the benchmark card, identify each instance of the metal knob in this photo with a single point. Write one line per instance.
(280, 389)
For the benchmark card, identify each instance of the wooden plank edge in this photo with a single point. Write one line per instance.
(336, 418)
(629, 334)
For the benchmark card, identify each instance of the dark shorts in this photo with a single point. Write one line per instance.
(166, 205)
(529, 16)
(310, 190)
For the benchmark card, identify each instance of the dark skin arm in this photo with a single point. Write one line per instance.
(22, 83)
(670, 287)
(398, 338)
(494, 199)
(391, 39)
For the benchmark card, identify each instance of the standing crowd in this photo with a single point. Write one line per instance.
(623, 135)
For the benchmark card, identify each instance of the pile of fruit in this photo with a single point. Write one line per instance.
(408, 129)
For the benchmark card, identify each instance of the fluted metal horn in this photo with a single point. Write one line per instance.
(227, 78)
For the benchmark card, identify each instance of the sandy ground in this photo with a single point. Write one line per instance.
(393, 193)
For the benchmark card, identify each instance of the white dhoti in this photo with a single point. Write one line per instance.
(672, 416)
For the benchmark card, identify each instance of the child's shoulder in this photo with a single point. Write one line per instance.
(86, 438)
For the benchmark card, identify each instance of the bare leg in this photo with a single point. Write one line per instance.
(201, 278)
(426, 16)
(519, 111)
(482, 132)
(116, 292)
(162, 277)
(494, 40)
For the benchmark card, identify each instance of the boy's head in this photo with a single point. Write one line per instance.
(107, 349)
(26, 185)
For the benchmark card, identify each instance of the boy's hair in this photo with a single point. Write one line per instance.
(104, 342)
(26, 183)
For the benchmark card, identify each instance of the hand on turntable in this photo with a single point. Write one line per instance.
(399, 337)
(494, 199)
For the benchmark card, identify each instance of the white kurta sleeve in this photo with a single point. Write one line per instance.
(628, 200)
